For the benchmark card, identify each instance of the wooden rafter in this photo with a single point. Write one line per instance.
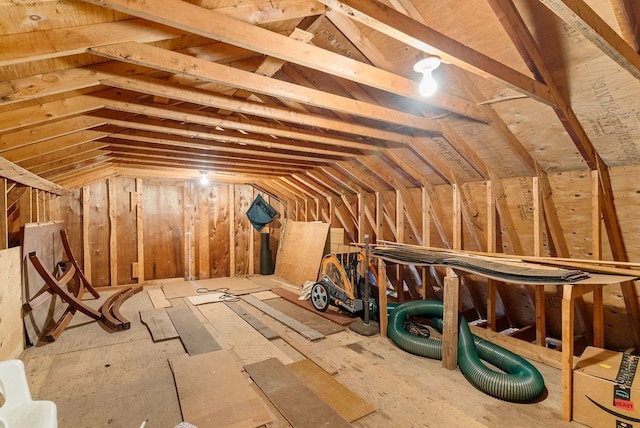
(397, 25)
(587, 22)
(526, 45)
(199, 21)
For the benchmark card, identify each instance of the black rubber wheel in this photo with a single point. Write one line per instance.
(319, 297)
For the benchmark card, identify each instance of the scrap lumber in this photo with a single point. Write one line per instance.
(298, 404)
(158, 299)
(334, 316)
(159, 324)
(295, 325)
(252, 321)
(213, 391)
(193, 335)
(347, 403)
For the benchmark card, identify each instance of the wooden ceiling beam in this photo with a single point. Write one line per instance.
(214, 25)
(163, 153)
(240, 171)
(66, 162)
(211, 153)
(174, 62)
(413, 33)
(214, 120)
(68, 80)
(20, 175)
(133, 136)
(628, 15)
(48, 158)
(517, 30)
(193, 95)
(587, 22)
(73, 40)
(52, 145)
(150, 126)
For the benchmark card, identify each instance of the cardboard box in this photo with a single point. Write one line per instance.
(606, 389)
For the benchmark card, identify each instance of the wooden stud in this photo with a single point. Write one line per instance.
(113, 232)
(86, 223)
(457, 218)
(539, 293)
(4, 227)
(451, 304)
(203, 261)
(232, 229)
(382, 297)
(492, 291)
(140, 230)
(596, 216)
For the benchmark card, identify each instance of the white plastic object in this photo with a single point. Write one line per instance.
(19, 410)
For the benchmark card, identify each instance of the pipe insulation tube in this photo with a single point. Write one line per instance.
(521, 381)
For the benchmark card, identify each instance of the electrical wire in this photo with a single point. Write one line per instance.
(226, 295)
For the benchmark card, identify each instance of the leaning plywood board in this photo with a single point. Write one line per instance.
(301, 251)
(159, 324)
(43, 239)
(213, 392)
(11, 330)
(348, 404)
(236, 334)
(193, 335)
(298, 404)
(293, 324)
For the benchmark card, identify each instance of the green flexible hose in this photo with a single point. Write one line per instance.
(521, 382)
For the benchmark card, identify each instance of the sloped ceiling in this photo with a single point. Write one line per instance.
(316, 97)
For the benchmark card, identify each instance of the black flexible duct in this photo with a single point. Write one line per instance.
(521, 382)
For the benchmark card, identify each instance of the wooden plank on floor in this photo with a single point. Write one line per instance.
(236, 334)
(266, 295)
(213, 392)
(252, 321)
(207, 298)
(158, 298)
(297, 403)
(193, 335)
(308, 318)
(159, 324)
(331, 314)
(293, 324)
(347, 403)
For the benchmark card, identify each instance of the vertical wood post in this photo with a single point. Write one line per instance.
(492, 291)
(86, 222)
(113, 232)
(426, 237)
(382, 297)
(457, 218)
(140, 230)
(232, 229)
(451, 304)
(203, 264)
(539, 295)
(596, 249)
(4, 227)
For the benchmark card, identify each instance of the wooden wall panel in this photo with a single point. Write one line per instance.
(70, 214)
(125, 189)
(163, 231)
(98, 212)
(219, 230)
(243, 231)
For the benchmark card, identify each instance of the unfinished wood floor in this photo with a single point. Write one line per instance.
(101, 378)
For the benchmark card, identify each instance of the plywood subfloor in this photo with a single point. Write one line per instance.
(405, 390)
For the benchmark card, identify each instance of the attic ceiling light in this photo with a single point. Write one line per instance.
(428, 86)
(204, 179)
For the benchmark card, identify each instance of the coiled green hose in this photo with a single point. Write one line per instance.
(521, 382)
